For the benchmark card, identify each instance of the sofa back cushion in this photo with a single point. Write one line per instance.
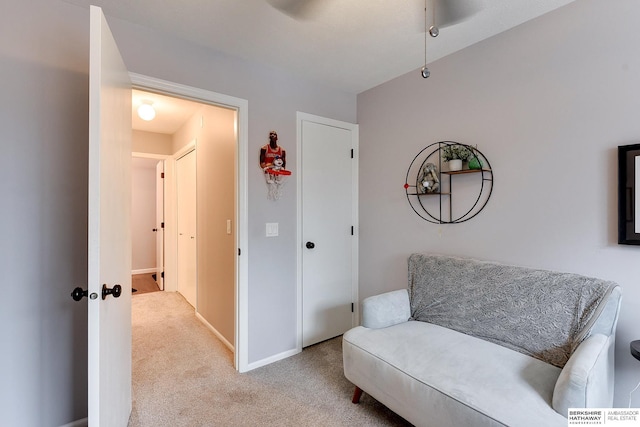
(544, 314)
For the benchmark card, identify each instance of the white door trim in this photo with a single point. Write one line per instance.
(150, 155)
(301, 117)
(242, 243)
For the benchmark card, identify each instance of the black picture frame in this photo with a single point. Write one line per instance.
(628, 193)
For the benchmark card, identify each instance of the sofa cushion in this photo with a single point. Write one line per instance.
(543, 314)
(390, 308)
(423, 370)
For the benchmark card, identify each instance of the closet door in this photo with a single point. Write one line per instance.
(186, 200)
(329, 244)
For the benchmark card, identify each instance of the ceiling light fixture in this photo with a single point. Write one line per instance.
(146, 111)
(433, 31)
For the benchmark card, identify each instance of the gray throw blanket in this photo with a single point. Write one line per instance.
(540, 313)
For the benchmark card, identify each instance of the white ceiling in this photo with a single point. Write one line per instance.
(352, 45)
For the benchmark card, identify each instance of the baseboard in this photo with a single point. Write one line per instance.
(78, 423)
(272, 359)
(144, 270)
(215, 332)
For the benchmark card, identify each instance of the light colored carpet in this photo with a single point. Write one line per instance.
(183, 376)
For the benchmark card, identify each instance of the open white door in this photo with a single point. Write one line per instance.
(109, 229)
(160, 224)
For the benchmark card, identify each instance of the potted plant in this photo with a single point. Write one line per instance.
(455, 154)
(475, 162)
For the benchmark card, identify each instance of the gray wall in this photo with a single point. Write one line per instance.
(548, 103)
(43, 116)
(43, 224)
(213, 129)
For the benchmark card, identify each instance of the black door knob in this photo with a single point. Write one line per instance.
(311, 245)
(115, 291)
(78, 294)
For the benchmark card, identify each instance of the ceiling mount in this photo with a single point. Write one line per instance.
(433, 31)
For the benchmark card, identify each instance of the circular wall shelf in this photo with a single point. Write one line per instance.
(430, 190)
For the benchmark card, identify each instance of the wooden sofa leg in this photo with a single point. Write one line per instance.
(357, 393)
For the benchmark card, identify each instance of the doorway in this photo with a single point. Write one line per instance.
(147, 218)
(222, 309)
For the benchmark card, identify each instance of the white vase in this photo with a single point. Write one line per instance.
(455, 165)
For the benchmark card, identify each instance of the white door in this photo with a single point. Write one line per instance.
(329, 224)
(109, 234)
(160, 224)
(186, 202)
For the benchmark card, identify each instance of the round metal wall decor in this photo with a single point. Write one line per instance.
(449, 182)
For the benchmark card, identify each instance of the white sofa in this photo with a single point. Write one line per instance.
(475, 343)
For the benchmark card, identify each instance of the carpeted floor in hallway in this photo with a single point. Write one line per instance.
(184, 376)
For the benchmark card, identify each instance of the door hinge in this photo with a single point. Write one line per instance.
(161, 174)
(239, 252)
(162, 275)
(352, 230)
(352, 153)
(352, 307)
(162, 225)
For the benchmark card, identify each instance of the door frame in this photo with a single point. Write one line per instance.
(160, 224)
(354, 129)
(241, 106)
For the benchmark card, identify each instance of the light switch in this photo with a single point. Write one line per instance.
(272, 229)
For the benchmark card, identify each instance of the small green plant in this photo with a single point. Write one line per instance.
(456, 151)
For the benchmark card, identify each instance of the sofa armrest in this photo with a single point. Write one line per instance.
(386, 309)
(586, 381)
